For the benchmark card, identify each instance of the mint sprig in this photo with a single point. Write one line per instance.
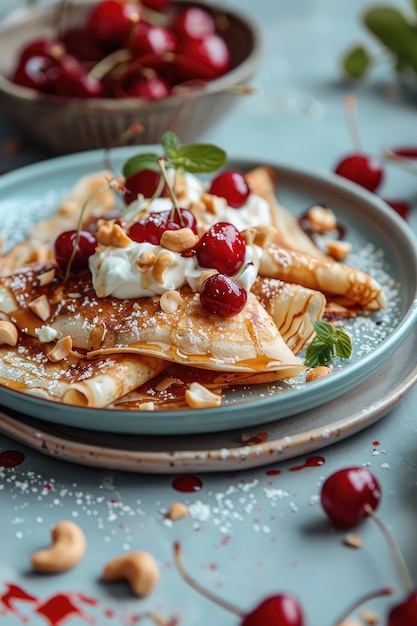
(329, 342)
(196, 158)
(395, 30)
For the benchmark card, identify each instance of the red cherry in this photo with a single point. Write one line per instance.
(232, 186)
(150, 228)
(59, 74)
(222, 248)
(109, 22)
(151, 88)
(36, 47)
(64, 246)
(157, 5)
(155, 39)
(279, 610)
(345, 494)
(404, 613)
(77, 41)
(144, 182)
(36, 72)
(402, 208)
(210, 50)
(361, 169)
(193, 23)
(407, 152)
(221, 295)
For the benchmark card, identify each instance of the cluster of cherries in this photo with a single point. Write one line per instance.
(347, 497)
(221, 248)
(127, 49)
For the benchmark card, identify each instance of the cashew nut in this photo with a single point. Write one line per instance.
(67, 549)
(8, 333)
(170, 301)
(321, 371)
(41, 307)
(177, 510)
(61, 349)
(199, 397)
(139, 569)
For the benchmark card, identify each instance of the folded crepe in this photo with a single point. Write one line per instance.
(73, 380)
(332, 278)
(248, 342)
(293, 308)
(290, 255)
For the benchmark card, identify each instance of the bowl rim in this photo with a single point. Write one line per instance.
(209, 87)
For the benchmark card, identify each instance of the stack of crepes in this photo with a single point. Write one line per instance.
(62, 341)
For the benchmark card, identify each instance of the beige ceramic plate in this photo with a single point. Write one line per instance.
(226, 451)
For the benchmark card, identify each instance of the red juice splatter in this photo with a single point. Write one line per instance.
(376, 443)
(11, 458)
(187, 483)
(13, 594)
(274, 472)
(61, 606)
(312, 461)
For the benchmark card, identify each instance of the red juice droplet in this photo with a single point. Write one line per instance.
(187, 483)
(273, 472)
(59, 607)
(375, 443)
(14, 594)
(312, 461)
(11, 458)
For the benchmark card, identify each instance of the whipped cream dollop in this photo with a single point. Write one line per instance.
(127, 272)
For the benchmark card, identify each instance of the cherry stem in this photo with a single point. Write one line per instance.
(242, 270)
(129, 133)
(60, 17)
(405, 163)
(176, 208)
(202, 590)
(159, 620)
(397, 555)
(109, 185)
(110, 62)
(385, 591)
(350, 104)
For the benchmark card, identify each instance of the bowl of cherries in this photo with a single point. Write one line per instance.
(77, 75)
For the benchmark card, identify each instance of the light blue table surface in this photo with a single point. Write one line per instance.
(251, 534)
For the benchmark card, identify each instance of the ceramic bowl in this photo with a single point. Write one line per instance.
(70, 125)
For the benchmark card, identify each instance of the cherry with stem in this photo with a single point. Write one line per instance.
(349, 496)
(363, 169)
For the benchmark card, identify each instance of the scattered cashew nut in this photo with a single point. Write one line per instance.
(321, 371)
(139, 569)
(177, 510)
(67, 549)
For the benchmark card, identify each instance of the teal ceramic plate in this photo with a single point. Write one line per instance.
(383, 245)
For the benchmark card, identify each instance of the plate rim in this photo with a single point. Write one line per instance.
(335, 183)
(35, 435)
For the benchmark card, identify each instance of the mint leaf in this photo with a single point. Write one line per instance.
(196, 158)
(393, 30)
(145, 161)
(171, 144)
(328, 343)
(318, 353)
(343, 344)
(324, 331)
(199, 158)
(356, 62)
